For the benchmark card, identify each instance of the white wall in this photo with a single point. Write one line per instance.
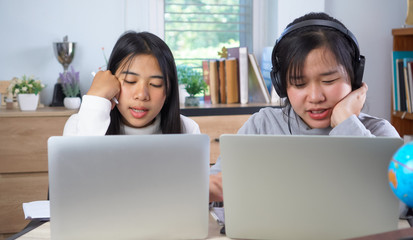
(371, 21)
(288, 10)
(28, 29)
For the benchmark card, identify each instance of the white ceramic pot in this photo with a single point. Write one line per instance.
(191, 101)
(28, 101)
(182, 93)
(71, 102)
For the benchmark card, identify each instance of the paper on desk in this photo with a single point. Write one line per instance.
(218, 214)
(36, 209)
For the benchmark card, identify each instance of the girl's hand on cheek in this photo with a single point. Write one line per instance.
(105, 85)
(351, 104)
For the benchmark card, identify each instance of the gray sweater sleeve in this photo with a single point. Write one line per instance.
(365, 125)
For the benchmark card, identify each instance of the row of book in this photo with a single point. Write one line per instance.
(236, 79)
(402, 85)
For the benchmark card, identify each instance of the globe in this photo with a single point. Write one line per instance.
(401, 174)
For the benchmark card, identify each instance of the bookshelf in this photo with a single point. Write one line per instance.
(402, 41)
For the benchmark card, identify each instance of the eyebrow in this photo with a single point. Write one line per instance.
(329, 73)
(299, 77)
(137, 74)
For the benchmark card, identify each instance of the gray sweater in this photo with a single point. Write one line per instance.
(273, 121)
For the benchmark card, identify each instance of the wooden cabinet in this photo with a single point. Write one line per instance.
(402, 41)
(214, 126)
(23, 161)
(218, 119)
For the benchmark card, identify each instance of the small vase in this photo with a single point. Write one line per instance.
(71, 102)
(28, 101)
(191, 101)
(182, 93)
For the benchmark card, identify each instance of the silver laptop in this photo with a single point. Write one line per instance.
(307, 187)
(129, 187)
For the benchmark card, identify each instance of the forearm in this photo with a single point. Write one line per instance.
(93, 118)
(369, 127)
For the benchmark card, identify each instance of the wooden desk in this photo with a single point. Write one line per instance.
(23, 160)
(43, 232)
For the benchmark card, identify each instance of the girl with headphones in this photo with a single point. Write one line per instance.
(318, 69)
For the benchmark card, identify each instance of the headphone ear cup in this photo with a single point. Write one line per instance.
(276, 82)
(359, 72)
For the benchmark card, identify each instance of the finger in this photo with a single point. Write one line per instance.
(363, 91)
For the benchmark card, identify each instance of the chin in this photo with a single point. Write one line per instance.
(140, 125)
(319, 125)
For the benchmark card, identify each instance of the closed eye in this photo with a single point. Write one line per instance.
(156, 85)
(129, 82)
(330, 81)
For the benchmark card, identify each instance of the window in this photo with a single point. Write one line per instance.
(196, 30)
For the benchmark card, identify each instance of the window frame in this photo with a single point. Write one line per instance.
(259, 23)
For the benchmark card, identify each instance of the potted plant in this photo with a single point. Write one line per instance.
(27, 90)
(71, 88)
(194, 83)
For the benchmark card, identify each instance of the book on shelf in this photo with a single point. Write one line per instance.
(410, 77)
(401, 90)
(205, 74)
(213, 81)
(257, 89)
(241, 55)
(231, 80)
(407, 84)
(222, 98)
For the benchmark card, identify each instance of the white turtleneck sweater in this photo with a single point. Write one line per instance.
(93, 119)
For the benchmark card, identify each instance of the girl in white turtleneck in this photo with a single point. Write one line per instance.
(138, 94)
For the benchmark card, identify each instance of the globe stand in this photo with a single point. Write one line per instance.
(407, 214)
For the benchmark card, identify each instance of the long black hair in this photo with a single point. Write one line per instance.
(128, 46)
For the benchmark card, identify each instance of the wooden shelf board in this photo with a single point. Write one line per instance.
(402, 31)
(403, 115)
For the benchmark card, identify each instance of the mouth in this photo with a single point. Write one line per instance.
(317, 111)
(138, 112)
(318, 114)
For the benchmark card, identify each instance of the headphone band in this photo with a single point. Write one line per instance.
(322, 23)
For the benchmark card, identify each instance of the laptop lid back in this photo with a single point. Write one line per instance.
(307, 187)
(129, 187)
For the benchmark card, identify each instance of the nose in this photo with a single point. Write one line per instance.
(315, 93)
(141, 91)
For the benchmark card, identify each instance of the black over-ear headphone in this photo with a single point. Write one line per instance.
(359, 60)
